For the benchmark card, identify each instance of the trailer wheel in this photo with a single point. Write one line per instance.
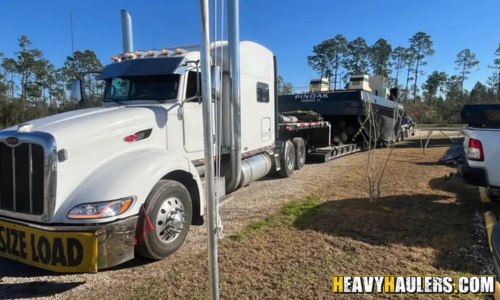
(170, 210)
(287, 161)
(300, 152)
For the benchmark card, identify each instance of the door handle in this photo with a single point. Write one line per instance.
(180, 112)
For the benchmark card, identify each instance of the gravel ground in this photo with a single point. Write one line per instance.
(249, 204)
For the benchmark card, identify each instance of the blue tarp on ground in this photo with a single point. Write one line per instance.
(455, 154)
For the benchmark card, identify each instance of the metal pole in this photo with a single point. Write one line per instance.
(233, 30)
(209, 151)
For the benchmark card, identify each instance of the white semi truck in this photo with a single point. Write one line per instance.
(88, 189)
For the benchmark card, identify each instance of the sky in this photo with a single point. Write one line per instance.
(289, 28)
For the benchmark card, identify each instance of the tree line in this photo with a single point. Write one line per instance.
(32, 87)
(440, 97)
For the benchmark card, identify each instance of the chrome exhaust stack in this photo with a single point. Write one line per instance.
(235, 117)
(127, 35)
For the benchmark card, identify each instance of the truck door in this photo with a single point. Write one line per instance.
(192, 121)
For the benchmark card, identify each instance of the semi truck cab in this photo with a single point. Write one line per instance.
(87, 189)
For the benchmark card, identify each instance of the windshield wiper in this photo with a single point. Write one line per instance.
(116, 100)
(119, 101)
(165, 100)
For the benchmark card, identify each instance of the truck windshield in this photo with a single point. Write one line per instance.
(157, 87)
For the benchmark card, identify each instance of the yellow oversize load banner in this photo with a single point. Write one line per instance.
(428, 284)
(50, 250)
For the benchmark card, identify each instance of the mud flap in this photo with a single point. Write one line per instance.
(144, 225)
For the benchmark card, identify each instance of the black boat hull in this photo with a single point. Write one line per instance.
(348, 107)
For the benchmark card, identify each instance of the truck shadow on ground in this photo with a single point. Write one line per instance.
(434, 221)
(35, 289)
(10, 268)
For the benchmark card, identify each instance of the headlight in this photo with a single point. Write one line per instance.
(101, 209)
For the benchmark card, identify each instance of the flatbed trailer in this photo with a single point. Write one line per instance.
(312, 142)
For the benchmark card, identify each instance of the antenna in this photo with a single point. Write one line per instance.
(71, 22)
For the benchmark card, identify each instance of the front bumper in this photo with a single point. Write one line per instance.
(474, 176)
(115, 240)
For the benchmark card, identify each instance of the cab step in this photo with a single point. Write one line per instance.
(220, 186)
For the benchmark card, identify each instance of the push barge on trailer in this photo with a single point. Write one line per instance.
(346, 109)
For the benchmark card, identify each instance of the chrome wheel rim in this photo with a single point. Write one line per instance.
(170, 219)
(301, 154)
(289, 161)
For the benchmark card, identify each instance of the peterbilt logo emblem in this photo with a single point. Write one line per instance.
(12, 140)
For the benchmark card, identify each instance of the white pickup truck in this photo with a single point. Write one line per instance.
(481, 146)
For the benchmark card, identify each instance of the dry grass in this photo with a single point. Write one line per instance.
(417, 227)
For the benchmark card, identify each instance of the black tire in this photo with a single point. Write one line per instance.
(163, 193)
(300, 152)
(287, 162)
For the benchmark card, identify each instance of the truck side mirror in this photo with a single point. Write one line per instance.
(215, 76)
(77, 93)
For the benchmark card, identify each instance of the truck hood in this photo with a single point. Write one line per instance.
(92, 137)
(73, 126)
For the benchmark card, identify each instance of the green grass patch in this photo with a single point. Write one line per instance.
(237, 237)
(253, 227)
(298, 208)
(288, 214)
(267, 222)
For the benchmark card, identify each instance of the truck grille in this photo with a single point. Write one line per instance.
(22, 170)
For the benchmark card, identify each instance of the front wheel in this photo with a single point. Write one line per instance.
(170, 209)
